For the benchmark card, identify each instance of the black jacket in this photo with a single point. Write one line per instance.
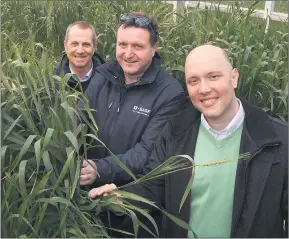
(130, 117)
(260, 204)
(62, 68)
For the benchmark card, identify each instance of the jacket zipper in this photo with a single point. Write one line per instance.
(111, 104)
(246, 183)
(122, 95)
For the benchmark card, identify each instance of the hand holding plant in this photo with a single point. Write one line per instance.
(88, 172)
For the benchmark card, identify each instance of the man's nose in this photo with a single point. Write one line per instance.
(79, 49)
(204, 87)
(128, 52)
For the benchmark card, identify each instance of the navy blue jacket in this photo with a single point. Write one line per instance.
(130, 117)
(62, 68)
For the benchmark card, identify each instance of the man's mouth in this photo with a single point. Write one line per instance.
(209, 102)
(81, 56)
(130, 61)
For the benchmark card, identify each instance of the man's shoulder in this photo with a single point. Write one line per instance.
(97, 60)
(62, 66)
(167, 84)
(184, 119)
(278, 122)
(261, 125)
(280, 127)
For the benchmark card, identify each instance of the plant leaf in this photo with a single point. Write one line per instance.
(72, 139)
(47, 137)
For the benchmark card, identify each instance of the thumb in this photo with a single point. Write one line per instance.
(84, 163)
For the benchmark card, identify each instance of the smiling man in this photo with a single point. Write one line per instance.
(133, 97)
(245, 198)
(81, 58)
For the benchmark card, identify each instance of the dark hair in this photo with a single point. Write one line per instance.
(152, 25)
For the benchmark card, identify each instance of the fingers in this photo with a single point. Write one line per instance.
(88, 163)
(87, 179)
(101, 190)
(88, 172)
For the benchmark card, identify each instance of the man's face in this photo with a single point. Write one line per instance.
(211, 83)
(79, 48)
(134, 52)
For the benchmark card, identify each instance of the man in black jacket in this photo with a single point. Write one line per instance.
(81, 58)
(239, 198)
(133, 97)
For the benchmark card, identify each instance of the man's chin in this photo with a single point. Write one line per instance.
(80, 66)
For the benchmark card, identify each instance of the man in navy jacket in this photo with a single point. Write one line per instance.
(133, 97)
(81, 58)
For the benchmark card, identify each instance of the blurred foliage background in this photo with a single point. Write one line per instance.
(261, 57)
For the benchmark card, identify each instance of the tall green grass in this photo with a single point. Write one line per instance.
(261, 57)
(42, 149)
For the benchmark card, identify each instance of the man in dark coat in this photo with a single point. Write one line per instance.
(239, 197)
(132, 98)
(81, 58)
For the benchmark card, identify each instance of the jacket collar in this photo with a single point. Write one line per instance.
(257, 122)
(259, 125)
(63, 66)
(113, 72)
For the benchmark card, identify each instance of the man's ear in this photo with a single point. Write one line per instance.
(65, 44)
(235, 77)
(155, 47)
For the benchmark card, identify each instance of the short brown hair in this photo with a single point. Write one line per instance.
(82, 25)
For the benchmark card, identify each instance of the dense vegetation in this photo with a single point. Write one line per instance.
(39, 134)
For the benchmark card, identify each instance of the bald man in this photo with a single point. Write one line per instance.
(240, 198)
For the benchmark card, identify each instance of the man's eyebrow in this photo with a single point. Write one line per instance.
(211, 72)
(193, 77)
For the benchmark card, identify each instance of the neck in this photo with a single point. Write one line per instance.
(223, 122)
(132, 79)
(81, 71)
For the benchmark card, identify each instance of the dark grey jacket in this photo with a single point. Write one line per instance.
(130, 117)
(62, 68)
(260, 204)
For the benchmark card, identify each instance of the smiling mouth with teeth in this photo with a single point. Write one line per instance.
(209, 102)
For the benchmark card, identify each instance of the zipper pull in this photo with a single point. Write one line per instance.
(111, 104)
(118, 109)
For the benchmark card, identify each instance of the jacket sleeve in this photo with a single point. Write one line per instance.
(284, 205)
(136, 157)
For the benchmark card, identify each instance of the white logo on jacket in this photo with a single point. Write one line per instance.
(141, 110)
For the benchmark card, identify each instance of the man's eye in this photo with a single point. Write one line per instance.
(214, 77)
(73, 44)
(192, 81)
(138, 47)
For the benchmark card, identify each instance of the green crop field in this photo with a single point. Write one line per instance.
(38, 123)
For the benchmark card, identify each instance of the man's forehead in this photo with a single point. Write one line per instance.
(132, 34)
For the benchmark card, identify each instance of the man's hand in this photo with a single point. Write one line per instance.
(103, 190)
(88, 172)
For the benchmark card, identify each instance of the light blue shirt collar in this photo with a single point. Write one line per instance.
(86, 76)
(231, 127)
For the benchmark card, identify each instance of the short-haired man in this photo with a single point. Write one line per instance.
(241, 198)
(133, 97)
(80, 44)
